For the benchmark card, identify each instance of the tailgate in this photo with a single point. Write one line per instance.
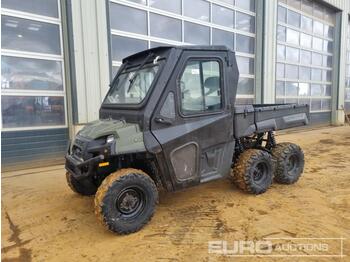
(280, 116)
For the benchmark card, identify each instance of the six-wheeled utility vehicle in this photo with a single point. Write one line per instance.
(169, 120)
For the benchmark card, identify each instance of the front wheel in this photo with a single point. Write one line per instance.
(126, 200)
(253, 171)
(289, 162)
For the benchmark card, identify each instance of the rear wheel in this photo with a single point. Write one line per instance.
(87, 189)
(253, 171)
(126, 200)
(289, 162)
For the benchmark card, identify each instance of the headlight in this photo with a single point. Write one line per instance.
(110, 139)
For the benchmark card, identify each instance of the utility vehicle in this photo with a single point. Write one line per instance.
(170, 121)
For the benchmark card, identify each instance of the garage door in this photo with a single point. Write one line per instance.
(305, 44)
(176, 22)
(33, 102)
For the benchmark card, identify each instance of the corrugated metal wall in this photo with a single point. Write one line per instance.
(344, 5)
(91, 57)
(341, 4)
(269, 51)
(24, 149)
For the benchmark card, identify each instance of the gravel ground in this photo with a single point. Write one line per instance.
(42, 220)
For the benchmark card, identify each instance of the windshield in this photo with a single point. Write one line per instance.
(131, 87)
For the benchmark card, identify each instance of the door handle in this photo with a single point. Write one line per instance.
(162, 121)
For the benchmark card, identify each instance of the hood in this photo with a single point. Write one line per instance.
(129, 136)
(100, 128)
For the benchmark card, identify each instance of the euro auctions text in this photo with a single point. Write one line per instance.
(279, 247)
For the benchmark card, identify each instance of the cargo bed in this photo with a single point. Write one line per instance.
(250, 119)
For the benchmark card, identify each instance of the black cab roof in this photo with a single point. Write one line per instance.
(183, 47)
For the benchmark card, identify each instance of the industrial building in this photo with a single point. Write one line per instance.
(59, 56)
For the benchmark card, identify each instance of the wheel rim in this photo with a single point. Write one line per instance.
(130, 202)
(292, 163)
(260, 171)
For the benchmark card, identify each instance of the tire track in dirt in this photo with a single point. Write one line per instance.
(24, 253)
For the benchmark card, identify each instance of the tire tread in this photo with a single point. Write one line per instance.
(280, 152)
(239, 173)
(118, 177)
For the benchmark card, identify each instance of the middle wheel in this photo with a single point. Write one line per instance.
(253, 171)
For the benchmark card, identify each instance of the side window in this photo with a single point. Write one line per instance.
(200, 87)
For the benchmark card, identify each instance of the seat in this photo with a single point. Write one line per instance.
(212, 83)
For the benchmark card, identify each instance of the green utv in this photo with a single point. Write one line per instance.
(170, 120)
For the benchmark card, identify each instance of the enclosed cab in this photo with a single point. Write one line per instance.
(169, 120)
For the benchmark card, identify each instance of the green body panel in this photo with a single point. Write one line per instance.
(128, 136)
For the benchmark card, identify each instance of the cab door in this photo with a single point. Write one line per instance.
(193, 121)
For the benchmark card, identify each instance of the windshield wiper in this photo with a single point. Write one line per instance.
(114, 81)
(132, 79)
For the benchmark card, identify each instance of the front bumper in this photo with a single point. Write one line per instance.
(84, 156)
(82, 169)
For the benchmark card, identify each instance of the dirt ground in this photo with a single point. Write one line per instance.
(42, 220)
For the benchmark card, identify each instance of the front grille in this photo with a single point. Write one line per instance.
(77, 151)
(78, 147)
